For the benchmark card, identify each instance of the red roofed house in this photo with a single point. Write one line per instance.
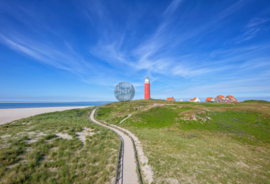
(221, 98)
(209, 99)
(195, 99)
(171, 99)
(228, 98)
(232, 98)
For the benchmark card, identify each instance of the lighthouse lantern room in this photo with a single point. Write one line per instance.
(146, 88)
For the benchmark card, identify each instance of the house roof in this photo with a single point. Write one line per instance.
(221, 96)
(208, 99)
(169, 98)
(232, 98)
(193, 99)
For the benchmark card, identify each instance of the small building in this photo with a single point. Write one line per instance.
(209, 99)
(195, 99)
(171, 99)
(221, 98)
(181, 100)
(232, 99)
(229, 98)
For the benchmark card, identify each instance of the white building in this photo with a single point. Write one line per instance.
(195, 99)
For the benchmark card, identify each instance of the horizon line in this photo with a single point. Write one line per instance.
(51, 101)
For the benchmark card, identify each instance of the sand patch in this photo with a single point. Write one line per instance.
(53, 169)
(29, 128)
(5, 145)
(242, 164)
(64, 136)
(30, 141)
(55, 149)
(5, 136)
(13, 165)
(27, 123)
(171, 180)
(36, 135)
(157, 104)
(83, 134)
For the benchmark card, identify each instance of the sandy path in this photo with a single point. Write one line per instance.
(8, 115)
(129, 164)
(125, 119)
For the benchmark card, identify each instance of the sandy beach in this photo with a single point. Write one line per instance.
(8, 115)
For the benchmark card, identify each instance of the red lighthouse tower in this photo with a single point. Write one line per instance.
(146, 88)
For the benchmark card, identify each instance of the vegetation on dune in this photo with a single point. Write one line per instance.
(193, 156)
(47, 148)
(159, 117)
(199, 142)
(184, 142)
(256, 101)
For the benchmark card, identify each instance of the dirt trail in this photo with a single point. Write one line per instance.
(129, 164)
(125, 119)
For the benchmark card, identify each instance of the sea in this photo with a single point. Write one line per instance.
(4, 105)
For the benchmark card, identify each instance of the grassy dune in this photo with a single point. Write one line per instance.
(256, 101)
(59, 147)
(199, 142)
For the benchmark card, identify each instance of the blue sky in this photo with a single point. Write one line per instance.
(78, 50)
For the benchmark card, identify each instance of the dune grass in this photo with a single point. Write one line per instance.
(202, 157)
(256, 101)
(32, 153)
(200, 142)
(159, 117)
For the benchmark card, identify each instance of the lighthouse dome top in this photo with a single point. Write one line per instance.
(147, 79)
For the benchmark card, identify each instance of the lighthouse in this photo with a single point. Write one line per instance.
(146, 88)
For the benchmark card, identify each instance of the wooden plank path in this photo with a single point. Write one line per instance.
(128, 164)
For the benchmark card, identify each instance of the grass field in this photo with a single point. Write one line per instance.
(59, 147)
(199, 142)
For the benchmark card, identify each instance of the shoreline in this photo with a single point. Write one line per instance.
(9, 115)
(15, 105)
(79, 106)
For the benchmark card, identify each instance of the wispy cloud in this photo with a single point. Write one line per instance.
(64, 58)
(252, 29)
(249, 34)
(153, 54)
(256, 22)
(46, 54)
(171, 8)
